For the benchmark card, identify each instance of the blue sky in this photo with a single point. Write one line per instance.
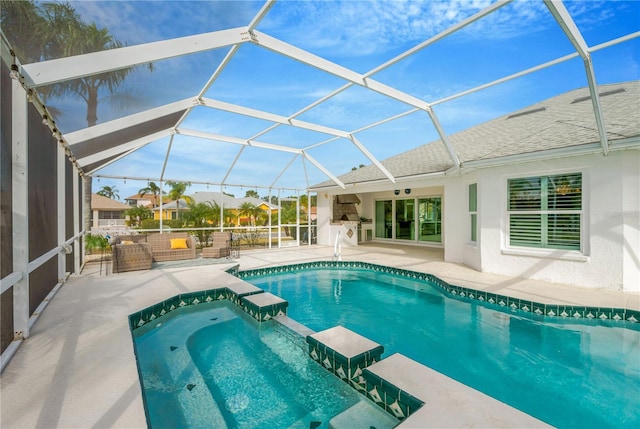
(359, 35)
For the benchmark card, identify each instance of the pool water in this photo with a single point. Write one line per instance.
(567, 373)
(213, 366)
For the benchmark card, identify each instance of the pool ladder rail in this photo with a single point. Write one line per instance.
(337, 249)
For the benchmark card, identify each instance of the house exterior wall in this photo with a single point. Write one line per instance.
(608, 259)
(631, 221)
(610, 254)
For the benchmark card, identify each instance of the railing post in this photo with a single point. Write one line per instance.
(20, 205)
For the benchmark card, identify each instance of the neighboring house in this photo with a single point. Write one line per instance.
(107, 212)
(230, 203)
(170, 210)
(147, 200)
(537, 195)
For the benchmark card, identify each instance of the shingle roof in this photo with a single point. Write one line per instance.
(229, 201)
(98, 202)
(563, 121)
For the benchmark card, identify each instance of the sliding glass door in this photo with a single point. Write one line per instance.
(384, 219)
(405, 219)
(430, 222)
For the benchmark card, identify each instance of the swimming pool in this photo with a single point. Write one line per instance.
(211, 365)
(566, 371)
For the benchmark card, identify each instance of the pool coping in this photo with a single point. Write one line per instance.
(504, 302)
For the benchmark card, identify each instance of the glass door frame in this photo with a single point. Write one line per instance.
(417, 223)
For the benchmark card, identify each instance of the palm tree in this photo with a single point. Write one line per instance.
(152, 189)
(199, 215)
(54, 30)
(138, 213)
(249, 210)
(25, 28)
(109, 192)
(177, 192)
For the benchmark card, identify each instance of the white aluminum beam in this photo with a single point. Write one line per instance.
(444, 138)
(372, 158)
(227, 58)
(125, 147)
(111, 161)
(246, 111)
(506, 78)
(127, 122)
(324, 170)
(61, 212)
(20, 209)
(570, 29)
(235, 140)
(282, 172)
(308, 58)
(473, 18)
(76, 220)
(164, 168)
(329, 67)
(442, 35)
(63, 69)
(233, 164)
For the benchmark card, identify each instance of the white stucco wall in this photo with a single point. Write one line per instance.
(631, 221)
(610, 187)
(610, 257)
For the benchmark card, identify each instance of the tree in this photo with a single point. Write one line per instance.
(152, 189)
(54, 30)
(177, 192)
(109, 192)
(252, 193)
(138, 214)
(249, 210)
(199, 216)
(25, 28)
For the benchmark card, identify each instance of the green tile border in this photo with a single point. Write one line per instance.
(578, 312)
(390, 398)
(264, 313)
(347, 369)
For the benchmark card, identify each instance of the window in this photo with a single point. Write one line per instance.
(473, 212)
(546, 211)
(109, 214)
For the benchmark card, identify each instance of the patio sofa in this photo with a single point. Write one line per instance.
(221, 246)
(172, 246)
(130, 253)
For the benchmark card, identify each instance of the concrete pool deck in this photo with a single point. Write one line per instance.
(77, 368)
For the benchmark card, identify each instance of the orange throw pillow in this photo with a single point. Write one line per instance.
(178, 243)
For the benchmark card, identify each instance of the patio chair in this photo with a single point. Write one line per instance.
(128, 255)
(220, 247)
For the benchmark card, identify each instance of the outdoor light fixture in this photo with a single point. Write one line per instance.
(397, 192)
(407, 191)
(45, 120)
(14, 73)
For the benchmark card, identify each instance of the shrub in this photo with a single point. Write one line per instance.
(149, 224)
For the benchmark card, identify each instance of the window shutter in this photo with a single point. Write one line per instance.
(564, 231)
(526, 230)
(525, 193)
(546, 211)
